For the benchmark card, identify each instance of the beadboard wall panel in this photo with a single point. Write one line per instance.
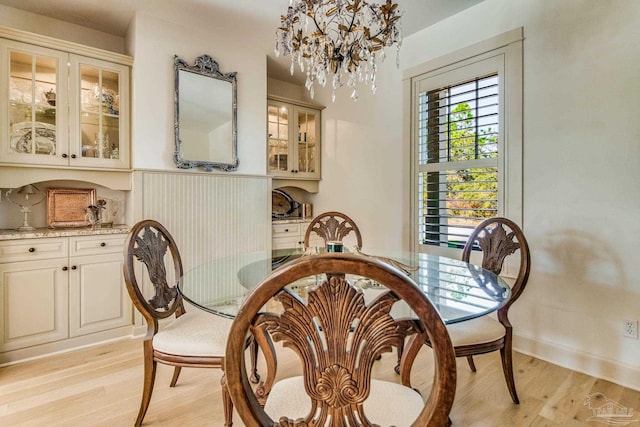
(213, 218)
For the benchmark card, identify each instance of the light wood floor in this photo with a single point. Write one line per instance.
(101, 386)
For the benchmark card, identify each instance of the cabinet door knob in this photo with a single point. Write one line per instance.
(64, 155)
(73, 156)
(32, 249)
(103, 244)
(65, 268)
(286, 230)
(73, 267)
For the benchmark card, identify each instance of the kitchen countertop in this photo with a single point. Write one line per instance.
(291, 220)
(13, 234)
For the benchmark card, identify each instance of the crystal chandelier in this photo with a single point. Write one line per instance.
(345, 38)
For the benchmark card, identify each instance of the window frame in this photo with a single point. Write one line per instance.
(504, 54)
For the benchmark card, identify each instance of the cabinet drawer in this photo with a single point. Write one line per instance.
(32, 249)
(96, 245)
(282, 230)
(286, 242)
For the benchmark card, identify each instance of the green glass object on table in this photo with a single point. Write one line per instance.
(334, 246)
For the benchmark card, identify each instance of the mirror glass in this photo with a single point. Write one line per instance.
(205, 115)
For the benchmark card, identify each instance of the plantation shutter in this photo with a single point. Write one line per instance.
(458, 140)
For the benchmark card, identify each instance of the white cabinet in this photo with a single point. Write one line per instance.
(98, 298)
(53, 289)
(289, 234)
(33, 301)
(58, 108)
(293, 145)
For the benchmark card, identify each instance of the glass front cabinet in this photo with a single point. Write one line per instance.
(62, 109)
(293, 146)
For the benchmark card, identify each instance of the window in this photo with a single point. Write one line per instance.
(458, 154)
(466, 145)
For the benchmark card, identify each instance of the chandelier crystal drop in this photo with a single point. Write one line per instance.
(338, 40)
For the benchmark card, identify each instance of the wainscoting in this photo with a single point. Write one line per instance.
(211, 216)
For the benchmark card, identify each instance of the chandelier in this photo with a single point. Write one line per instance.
(341, 40)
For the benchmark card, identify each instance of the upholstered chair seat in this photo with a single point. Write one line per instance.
(388, 403)
(476, 331)
(195, 333)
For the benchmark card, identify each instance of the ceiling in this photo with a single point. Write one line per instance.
(114, 16)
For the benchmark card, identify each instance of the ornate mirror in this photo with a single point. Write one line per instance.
(205, 115)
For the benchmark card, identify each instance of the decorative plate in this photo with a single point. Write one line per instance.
(282, 205)
(25, 134)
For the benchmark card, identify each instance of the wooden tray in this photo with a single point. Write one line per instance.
(67, 207)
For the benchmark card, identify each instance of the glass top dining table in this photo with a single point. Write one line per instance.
(458, 290)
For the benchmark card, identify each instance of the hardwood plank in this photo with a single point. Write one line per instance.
(102, 386)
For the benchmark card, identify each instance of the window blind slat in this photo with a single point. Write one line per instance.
(458, 132)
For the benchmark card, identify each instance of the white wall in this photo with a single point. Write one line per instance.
(18, 19)
(154, 43)
(362, 158)
(581, 163)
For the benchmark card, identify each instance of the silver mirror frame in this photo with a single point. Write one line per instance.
(206, 66)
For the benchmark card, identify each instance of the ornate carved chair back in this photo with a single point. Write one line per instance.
(338, 337)
(149, 247)
(333, 226)
(499, 238)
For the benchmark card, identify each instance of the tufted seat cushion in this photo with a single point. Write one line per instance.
(388, 403)
(195, 333)
(475, 331)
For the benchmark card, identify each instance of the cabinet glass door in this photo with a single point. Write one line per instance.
(306, 158)
(278, 131)
(99, 113)
(32, 122)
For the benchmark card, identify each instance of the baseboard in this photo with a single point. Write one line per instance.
(64, 346)
(610, 370)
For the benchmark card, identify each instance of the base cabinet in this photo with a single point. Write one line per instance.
(56, 289)
(34, 304)
(97, 295)
(289, 234)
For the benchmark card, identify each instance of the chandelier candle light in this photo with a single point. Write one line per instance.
(345, 38)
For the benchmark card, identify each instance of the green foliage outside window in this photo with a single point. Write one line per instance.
(470, 193)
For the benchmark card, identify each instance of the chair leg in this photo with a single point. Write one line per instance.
(176, 374)
(409, 354)
(226, 402)
(400, 351)
(507, 367)
(268, 351)
(253, 353)
(472, 365)
(150, 366)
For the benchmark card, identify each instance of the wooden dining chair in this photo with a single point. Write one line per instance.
(193, 339)
(497, 238)
(337, 337)
(332, 226)
(335, 226)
